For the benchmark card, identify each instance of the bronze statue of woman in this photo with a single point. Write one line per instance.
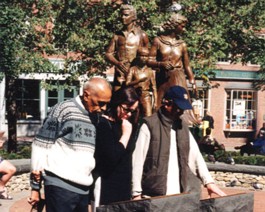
(170, 55)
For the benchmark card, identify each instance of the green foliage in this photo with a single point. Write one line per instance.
(216, 29)
(257, 160)
(223, 29)
(24, 152)
(18, 40)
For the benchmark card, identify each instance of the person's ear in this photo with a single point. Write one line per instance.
(86, 94)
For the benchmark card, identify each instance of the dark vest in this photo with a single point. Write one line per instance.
(154, 180)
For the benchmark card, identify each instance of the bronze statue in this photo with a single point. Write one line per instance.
(143, 79)
(123, 47)
(170, 55)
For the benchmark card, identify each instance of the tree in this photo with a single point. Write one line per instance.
(225, 29)
(19, 54)
(80, 30)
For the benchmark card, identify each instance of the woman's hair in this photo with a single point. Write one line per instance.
(174, 20)
(125, 95)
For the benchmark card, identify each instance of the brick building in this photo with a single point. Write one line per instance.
(237, 108)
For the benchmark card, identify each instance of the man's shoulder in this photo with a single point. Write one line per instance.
(65, 103)
(134, 68)
(149, 70)
(62, 106)
(149, 119)
(116, 36)
(142, 31)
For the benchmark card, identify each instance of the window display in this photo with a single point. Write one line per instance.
(240, 109)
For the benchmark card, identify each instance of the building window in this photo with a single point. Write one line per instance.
(199, 102)
(54, 96)
(28, 99)
(241, 109)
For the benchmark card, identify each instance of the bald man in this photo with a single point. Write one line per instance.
(63, 150)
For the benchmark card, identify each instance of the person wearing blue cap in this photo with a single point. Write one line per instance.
(166, 159)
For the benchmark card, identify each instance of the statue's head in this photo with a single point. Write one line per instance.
(173, 21)
(129, 9)
(142, 55)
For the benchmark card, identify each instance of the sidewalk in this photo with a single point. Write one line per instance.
(20, 204)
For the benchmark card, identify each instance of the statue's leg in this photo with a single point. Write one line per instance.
(147, 104)
(161, 92)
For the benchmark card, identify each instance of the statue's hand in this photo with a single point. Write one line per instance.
(122, 67)
(167, 65)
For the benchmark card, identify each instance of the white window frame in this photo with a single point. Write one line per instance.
(240, 110)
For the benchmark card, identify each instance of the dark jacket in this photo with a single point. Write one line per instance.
(155, 170)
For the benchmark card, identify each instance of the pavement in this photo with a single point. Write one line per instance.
(20, 204)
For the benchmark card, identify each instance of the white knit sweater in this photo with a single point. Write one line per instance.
(65, 143)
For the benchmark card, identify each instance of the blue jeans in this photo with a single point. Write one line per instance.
(61, 200)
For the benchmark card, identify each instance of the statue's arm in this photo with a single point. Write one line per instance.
(186, 64)
(153, 81)
(132, 80)
(129, 78)
(110, 53)
(152, 62)
(145, 40)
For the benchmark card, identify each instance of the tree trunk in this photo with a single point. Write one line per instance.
(11, 114)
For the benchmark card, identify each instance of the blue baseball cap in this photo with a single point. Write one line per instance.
(179, 96)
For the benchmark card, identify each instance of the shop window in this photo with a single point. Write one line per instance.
(241, 110)
(28, 99)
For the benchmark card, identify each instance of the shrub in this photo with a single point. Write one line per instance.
(257, 160)
(24, 152)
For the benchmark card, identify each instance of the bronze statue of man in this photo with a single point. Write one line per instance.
(123, 47)
(142, 78)
(170, 55)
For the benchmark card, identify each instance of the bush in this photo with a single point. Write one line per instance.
(24, 152)
(257, 160)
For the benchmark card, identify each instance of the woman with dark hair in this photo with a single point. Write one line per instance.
(114, 147)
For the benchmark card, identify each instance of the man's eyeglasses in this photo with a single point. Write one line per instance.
(128, 110)
(102, 104)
